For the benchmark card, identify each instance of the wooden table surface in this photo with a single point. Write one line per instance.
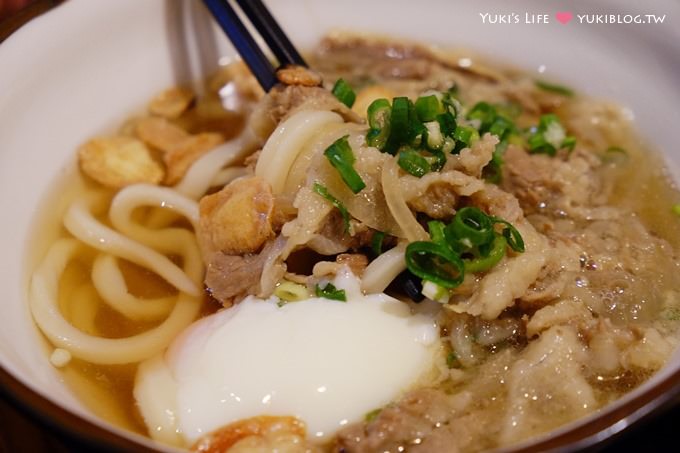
(18, 433)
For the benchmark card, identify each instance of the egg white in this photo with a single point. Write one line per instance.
(326, 362)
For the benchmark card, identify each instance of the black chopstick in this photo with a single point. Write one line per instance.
(245, 44)
(271, 32)
(257, 61)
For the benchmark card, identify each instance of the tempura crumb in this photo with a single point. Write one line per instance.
(116, 162)
(171, 103)
(179, 158)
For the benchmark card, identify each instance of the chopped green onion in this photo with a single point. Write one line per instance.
(370, 416)
(428, 107)
(435, 263)
(511, 235)
(491, 258)
(501, 127)
(616, 149)
(344, 93)
(538, 145)
(433, 135)
(447, 123)
(413, 163)
(377, 242)
(436, 229)
(452, 360)
(341, 157)
(471, 227)
(509, 109)
(549, 136)
(438, 159)
(289, 291)
(676, 209)
(469, 241)
(435, 292)
(569, 142)
(449, 101)
(485, 113)
(379, 113)
(415, 126)
(465, 134)
(448, 146)
(323, 192)
(331, 292)
(399, 123)
(493, 172)
(379, 121)
(465, 137)
(671, 314)
(559, 89)
(614, 155)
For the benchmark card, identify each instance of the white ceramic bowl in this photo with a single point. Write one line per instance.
(85, 66)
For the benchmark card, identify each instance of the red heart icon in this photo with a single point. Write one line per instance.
(564, 16)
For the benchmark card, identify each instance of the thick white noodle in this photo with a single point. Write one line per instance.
(227, 175)
(397, 204)
(382, 270)
(82, 308)
(201, 174)
(286, 142)
(110, 284)
(80, 222)
(137, 195)
(204, 173)
(43, 297)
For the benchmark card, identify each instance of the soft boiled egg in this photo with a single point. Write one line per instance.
(323, 361)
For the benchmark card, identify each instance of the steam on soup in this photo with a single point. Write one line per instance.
(430, 253)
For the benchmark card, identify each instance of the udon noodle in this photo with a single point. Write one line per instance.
(512, 216)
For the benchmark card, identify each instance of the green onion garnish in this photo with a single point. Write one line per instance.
(452, 360)
(614, 155)
(465, 136)
(379, 121)
(485, 113)
(500, 127)
(323, 192)
(468, 244)
(435, 263)
(471, 227)
(676, 209)
(559, 89)
(436, 229)
(493, 172)
(549, 136)
(492, 256)
(377, 242)
(428, 107)
(511, 235)
(341, 157)
(399, 123)
(344, 93)
(370, 416)
(496, 121)
(447, 123)
(289, 291)
(331, 292)
(413, 163)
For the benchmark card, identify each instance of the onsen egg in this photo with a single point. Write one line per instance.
(326, 362)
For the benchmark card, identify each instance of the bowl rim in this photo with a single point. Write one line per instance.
(600, 431)
(70, 426)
